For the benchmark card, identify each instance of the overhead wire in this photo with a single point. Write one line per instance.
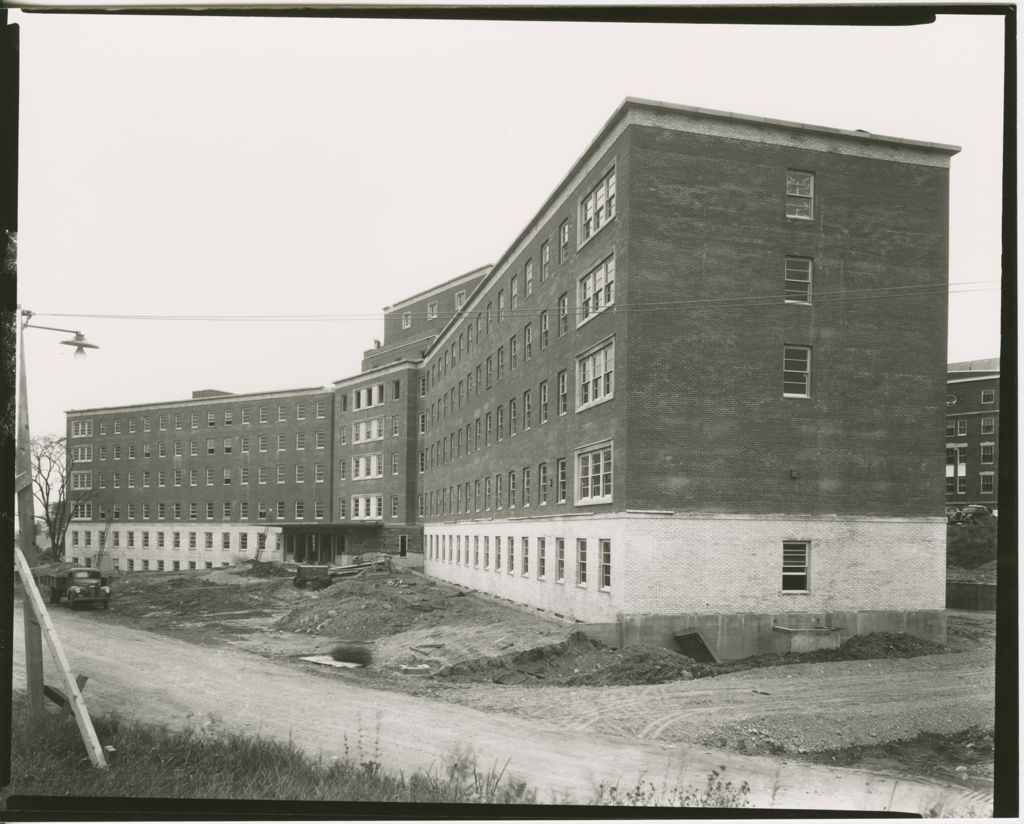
(737, 301)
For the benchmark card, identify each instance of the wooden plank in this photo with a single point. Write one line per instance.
(78, 709)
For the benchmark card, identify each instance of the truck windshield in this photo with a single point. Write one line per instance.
(84, 573)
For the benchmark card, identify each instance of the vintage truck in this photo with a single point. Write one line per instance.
(80, 585)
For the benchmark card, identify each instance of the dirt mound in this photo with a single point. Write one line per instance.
(381, 604)
(268, 569)
(888, 645)
(577, 661)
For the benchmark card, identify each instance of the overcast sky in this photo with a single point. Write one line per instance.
(267, 166)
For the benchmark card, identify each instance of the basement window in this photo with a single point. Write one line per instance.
(794, 566)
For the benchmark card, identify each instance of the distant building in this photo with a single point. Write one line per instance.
(972, 434)
(659, 409)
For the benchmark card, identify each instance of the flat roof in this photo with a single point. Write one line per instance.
(857, 134)
(200, 401)
(439, 287)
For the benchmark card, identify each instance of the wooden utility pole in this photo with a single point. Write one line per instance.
(27, 529)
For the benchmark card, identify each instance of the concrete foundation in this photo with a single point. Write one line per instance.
(740, 635)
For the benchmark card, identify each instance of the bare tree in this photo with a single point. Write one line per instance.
(52, 465)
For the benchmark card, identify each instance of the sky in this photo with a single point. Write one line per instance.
(242, 166)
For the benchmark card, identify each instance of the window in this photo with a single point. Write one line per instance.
(987, 479)
(501, 304)
(595, 475)
(961, 427)
(542, 479)
(595, 372)
(526, 486)
(988, 453)
(82, 454)
(300, 474)
(514, 291)
(513, 418)
(394, 506)
(798, 280)
(543, 401)
(131, 452)
(501, 362)
(263, 415)
(545, 261)
(193, 511)
(794, 566)
(406, 320)
(796, 372)
(280, 473)
(300, 411)
(988, 395)
(225, 511)
(563, 242)
(81, 480)
(227, 446)
(800, 195)
(512, 490)
(300, 440)
(282, 412)
(563, 314)
(559, 560)
(394, 425)
(432, 310)
(606, 564)
(209, 476)
(560, 470)
(117, 428)
(280, 511)
(300, 510)
(563, 392)
(131, 425)
(460, 299)
(281, 446)
(596, 290)
(988, 426)
(209, 510)
(950, 429)
(597, 208)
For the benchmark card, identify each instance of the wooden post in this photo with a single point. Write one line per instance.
(92, 743)
(27, 532)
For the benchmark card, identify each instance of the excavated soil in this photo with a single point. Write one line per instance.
(984, 574)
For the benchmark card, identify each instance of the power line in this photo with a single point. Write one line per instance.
(738, 301)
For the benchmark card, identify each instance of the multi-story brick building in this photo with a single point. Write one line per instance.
(660, 408)
(972, 434)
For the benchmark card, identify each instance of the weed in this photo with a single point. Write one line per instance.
(716, 792)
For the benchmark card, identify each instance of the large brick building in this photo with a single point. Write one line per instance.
(972, 434)
(660, 409)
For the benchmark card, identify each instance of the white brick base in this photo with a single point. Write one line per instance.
(217, 556)
(674, 564)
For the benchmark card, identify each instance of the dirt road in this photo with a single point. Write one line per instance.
(163, 680)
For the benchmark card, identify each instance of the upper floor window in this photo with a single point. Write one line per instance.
(596, 371)
(406, 320)
(529, 278)
(81, 429)
(563, 242)
(545, 260)
(596, 290)
(988, 426)
(796, 372)
(460, 299)
(597, 208)
(798, 280)
(988, 395)
(432, 310)
(594, 474)
(800, 195)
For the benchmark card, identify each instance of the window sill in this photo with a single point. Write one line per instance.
(800, 217)
(799, 302)
(595, 314)
(592, 501)
(795, 592)
(592, 404)
(785, 395)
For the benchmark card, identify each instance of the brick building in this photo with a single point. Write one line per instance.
(659, 410)
(972, 434)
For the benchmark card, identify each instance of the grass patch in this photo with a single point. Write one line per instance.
(49, 759)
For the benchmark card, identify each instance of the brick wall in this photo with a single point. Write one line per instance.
(708, 428)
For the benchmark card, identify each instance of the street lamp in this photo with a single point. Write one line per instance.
(26, 509)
